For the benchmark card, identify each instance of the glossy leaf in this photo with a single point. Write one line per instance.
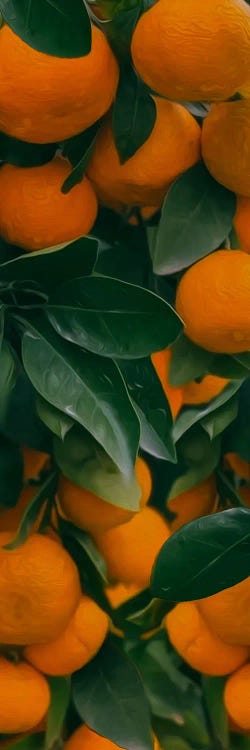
(85, 463)
(53, 266)
(90, 565)
(134, 114)
(79, 169)
(243, 359)
(214, 551)
(190, 416)
(83, 539)
(8, 376)
(32, 511)
(84, 386)
(58, 422)
(198, 470)
(196, 216)
(152, 408)
(188, 361)
(55, 28)
(108, 694)
(226, 366)
(60, 697)
(219, 420)
(213, 689)
(112, 318)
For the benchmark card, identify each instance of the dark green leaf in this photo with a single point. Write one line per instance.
(22, 424)
(112, 318)
(152, 408)
(237, 436)
(55, 420)
(8, 376)
(194, 201)
(32, 511)
(90, 565)
(84, 386)
(53, 266)
(226, 366)
(227, 491)
(24, 154)
(134, 114)
(191, 416)
(119, 30)
(108, 694)
(193, 732)
(80, 168)
(198, 471)
(11, 472)
(151, 616)
(32, 742)
(213, 689)
(188, 361)
(243, 359)
(60, 697)
(86, 543)
(56, 28)
(217, 422)
(214, 552)
(85, 463)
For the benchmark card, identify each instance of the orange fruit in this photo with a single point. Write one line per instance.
(24, 697)
(10, 517)
(227, 613)
(191, 51)
(172, 147)
(213, 299)
(244, 493)
(130, 550)
(33, 462)
(202, 649)
(45, 216)
(146, 213)
(238, 465)
(89, 740)
(76, 645)
(93, 513)
(194, 503)
(45, 99)
(227, 123)
(200, 393)
(39, 590)
(242, 222)
(237, 697)
(161, 361)
(120, 593)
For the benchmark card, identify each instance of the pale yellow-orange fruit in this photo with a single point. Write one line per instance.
(39, 590)
(24, 697)
(35, 214)
(194, 51)
(202, 649)
(76, 645)
(194, 503)
(130, 550)
(228, 613)
(45, 99)
(213, 299)
(172, 147)
(237, 697)
(226, 145)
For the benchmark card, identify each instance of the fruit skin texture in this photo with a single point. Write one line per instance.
(242, 222)
(203, 392)
(130, 550)
(194, 503)
(213, 299)
(89, 740)
(39, 590)
(45, 99)
(24, 697)
(191, 51)
(237, 697)
(172, 147)
(161, 361)
(35, 214)
(227, 613)
(226, 145)
(77, 644)
(202, 649)
(92, 513)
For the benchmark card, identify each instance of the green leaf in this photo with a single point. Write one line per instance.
(243, 359)
(24, 154)
(53, 266)
(80, 168)
(11, 472)
(214, 552)
(191, 416)
(56, 28)
(188, 361)
(226, 366)
(194, 201)
(199, 471)
(227, 491)
(217, 422)
(120, 29)
(151, 616)
(85, 463)
(60, 697)
(32, 742)
(213, 690)
(91, 567)
(55, 420)
(237, 436)
(87, 545)
(22, 424)
(8, 376)
(134, 114)
(152, 408)
(84, 386)
(108, 694)
(112, 318)
(32, 511)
